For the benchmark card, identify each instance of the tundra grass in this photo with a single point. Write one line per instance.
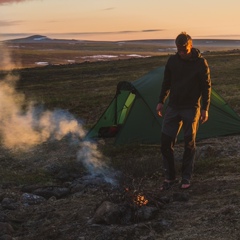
(86, 89)
(89, 87)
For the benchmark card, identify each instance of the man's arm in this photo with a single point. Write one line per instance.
(164, 90)
(205, 87)
(166, 84)
(159, 109)
(204, 116)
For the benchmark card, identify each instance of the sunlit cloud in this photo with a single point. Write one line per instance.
(10, 35)
(108, 9)
(153, 30)
(116, 32)
(2, 23)
(9, 23)
(12, 1)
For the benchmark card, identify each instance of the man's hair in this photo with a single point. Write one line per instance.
(183, 39)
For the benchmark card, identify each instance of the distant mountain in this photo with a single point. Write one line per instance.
(40, 39)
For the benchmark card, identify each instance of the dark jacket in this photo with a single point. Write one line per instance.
(187, 82)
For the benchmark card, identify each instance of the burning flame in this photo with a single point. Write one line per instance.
(138, 199)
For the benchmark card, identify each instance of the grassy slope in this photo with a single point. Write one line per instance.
(86, 89)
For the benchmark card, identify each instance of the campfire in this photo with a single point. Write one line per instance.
(140, 200)
(136, 198)
(130, 204)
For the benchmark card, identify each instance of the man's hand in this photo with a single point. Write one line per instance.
(204, 116)
(159, 109)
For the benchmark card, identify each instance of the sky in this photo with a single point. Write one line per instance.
(119, 20)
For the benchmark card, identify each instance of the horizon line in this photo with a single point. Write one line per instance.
(232, 37)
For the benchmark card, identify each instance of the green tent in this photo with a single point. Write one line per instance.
(131, 116)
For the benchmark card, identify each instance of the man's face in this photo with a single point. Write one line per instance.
(184, 51)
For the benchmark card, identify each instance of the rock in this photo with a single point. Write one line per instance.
(31, 199)
(79, 187)
(48, 192)
(107, 213)
(9, 203)
(146, 213)
(30, 188)
(5, 229)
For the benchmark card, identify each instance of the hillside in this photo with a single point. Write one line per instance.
(38, 50)
(39, 39)
(163, 42)
(53, 190)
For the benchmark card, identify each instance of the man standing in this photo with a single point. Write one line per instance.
(187, 83)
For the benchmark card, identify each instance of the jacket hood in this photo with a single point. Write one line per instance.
(195, 55)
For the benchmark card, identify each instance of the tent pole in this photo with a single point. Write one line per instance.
(115, 117)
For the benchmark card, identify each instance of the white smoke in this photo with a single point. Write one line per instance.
(24, 125)
(91, 158)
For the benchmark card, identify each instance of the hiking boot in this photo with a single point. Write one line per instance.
(185, 184)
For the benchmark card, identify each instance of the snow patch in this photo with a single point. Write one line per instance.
(101, 56)
(42, 63)
(39, 38)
